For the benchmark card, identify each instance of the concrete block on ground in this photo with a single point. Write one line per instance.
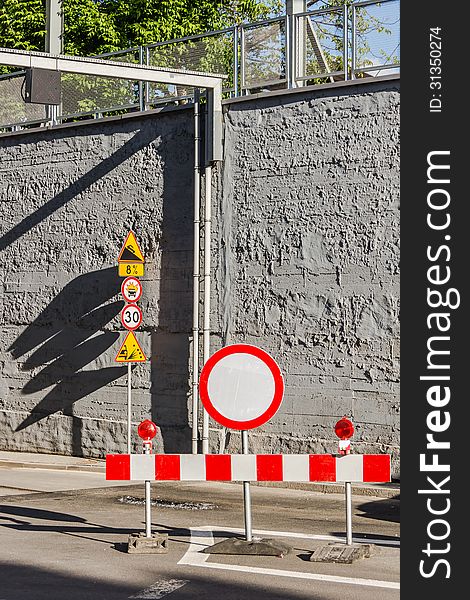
(341, 553)
(138, 543)
(257, 547)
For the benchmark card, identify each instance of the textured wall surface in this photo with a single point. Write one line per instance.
(305, 265)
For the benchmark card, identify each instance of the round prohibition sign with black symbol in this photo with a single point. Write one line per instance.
(131, 289)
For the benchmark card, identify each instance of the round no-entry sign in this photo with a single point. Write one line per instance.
(241, 386)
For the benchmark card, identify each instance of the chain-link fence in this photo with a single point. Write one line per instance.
(14, 111)
(83, 95)
(341, 42)
(214, 52)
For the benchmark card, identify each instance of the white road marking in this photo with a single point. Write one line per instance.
(201, 537)
(159, 589)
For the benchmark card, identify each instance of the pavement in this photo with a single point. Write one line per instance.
(64, 532)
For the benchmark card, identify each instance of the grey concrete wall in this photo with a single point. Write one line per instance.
(305, 265)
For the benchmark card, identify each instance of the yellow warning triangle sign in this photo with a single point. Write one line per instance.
(131, 251)
(130, 351)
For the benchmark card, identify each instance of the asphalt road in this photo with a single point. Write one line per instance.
(70, 541)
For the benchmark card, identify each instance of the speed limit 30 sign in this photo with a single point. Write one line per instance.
(131, 316)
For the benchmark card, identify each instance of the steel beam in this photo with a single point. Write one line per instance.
(54, 26)
(107, 68)
(118, 70)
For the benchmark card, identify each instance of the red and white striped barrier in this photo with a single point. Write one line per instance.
(248, 467)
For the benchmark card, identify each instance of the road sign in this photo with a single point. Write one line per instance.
(134, 269)
(131, 289)
(241, 386)
(130, 351)
(131, 252)
(131, 316)
(131, 260)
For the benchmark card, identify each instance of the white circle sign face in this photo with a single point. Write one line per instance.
(131, 316)
(241, 386)
(131, 289)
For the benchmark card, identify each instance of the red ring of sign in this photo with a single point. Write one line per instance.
(126, 298)
(278, 386)
(126, 325)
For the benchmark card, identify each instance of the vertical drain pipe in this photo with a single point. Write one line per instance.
(207, 291)
(196, 273)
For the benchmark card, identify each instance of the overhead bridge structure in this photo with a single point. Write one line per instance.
(135, 72)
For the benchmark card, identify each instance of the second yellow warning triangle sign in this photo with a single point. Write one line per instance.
(131, 251)
(130, 351)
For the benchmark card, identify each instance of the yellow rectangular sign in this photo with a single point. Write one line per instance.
(127, 269)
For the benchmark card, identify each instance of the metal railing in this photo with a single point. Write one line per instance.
(263, 57)
(319, 46)
(375, 37)
(322, 44)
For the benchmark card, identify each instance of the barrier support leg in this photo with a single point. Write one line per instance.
(148, 516)
(247, 494)
(348, 498)
(148, 543)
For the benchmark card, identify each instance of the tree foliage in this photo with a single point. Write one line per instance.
(99, 26)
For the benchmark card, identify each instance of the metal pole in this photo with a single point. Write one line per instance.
(54, 44)
(207, 291)
(235, 61)
(345, 41)
(353, 44)
(347, 489)
(54, 26)
(141, 83)
(246, 494)
(147, 85)
(242, 61)
(290, 53)
(295, 42)
(196, 273)
(129, 406)
(148, 518)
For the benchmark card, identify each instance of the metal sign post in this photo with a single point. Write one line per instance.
(246, 493)
(130, 264)
(129, 407)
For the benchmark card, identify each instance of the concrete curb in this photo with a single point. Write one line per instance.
(52, 466)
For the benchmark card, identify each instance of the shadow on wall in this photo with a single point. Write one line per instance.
(67, 336)
(66, 325)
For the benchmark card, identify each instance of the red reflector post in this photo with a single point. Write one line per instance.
(147, 430)
(344, 429)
